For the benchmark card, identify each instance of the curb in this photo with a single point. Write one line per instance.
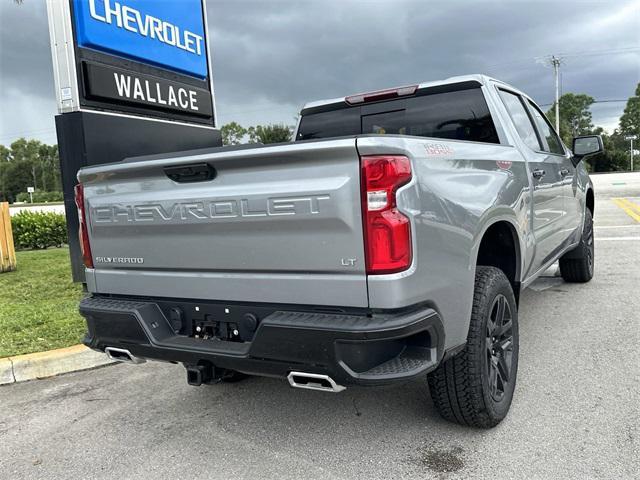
(34, 366)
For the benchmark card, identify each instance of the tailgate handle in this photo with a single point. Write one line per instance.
(195, 172)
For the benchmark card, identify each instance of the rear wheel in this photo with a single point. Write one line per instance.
(577, 265)
(475, 387)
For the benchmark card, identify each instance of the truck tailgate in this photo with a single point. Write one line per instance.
(278, 224)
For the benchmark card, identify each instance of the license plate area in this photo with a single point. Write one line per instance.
(209, 328)
(214, 321)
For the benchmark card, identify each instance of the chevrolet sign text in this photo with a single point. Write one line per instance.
(132, 20)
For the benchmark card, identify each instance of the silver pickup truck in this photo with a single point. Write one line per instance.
(389, 241)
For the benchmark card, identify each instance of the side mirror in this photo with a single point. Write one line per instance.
(585, 146)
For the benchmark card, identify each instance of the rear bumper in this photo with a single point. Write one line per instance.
(361, 348)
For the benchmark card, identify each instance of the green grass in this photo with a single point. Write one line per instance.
(39, 304)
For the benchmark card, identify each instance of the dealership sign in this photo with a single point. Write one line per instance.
(114, 84)
(169, 34)
(135, 57)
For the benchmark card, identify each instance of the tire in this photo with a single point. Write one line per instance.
(577, 265)
(475, 387)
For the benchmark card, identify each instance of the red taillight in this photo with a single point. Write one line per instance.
(381, 95)
(82, 231)
(387, 230)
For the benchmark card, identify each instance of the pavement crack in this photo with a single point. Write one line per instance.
(13, 371)
(355, 407)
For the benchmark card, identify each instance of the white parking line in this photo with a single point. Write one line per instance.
(617, 238)
(617, 226)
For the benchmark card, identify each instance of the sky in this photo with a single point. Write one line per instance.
(271, 57)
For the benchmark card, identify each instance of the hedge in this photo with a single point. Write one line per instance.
(40, 197)
(38, 229)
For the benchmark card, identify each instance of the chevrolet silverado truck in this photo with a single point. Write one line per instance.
(389, 241)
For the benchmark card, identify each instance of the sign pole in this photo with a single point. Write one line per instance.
(631, 138)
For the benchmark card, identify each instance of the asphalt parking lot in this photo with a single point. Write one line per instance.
(575, 414)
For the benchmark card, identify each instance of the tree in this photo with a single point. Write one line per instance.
(630, 119)
(5, 154)
(49, 168)
(575, 117)
(232, 133)
(23, 149)
(28, 163)
(270, 133)
(16, 177)
(614, 157)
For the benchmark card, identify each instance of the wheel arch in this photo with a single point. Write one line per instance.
(590, 201)
(499, 245)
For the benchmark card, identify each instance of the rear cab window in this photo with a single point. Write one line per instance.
(458, 114)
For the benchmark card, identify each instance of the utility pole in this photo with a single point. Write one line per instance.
(631, 138)
(555, 62)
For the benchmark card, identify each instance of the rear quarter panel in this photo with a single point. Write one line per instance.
(458, 190)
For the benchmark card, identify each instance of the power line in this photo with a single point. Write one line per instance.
(541, 59)
(608, 51)
(588, 53)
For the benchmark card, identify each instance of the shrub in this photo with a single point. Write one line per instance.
(40, 197)
(48, 197)
(38, 229)
(22, 197)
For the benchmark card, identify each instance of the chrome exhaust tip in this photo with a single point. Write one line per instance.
(123, 355)
(314, 381)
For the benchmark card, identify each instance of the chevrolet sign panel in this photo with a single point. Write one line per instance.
(142, 58)
(145, 30)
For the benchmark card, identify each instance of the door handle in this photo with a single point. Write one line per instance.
(538, 173)
(195, 172)
(564, 172)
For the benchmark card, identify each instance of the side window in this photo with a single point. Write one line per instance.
(550, 139)
(520, 119)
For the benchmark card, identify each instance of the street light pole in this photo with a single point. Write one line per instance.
(556, 66)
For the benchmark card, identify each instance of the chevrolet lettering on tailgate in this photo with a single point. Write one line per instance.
(307, 205)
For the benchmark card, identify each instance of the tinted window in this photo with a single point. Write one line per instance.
(337, 123)
(551, 142)
(459, 115)
(520, 119)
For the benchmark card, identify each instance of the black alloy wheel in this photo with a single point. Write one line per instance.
(499, 347)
